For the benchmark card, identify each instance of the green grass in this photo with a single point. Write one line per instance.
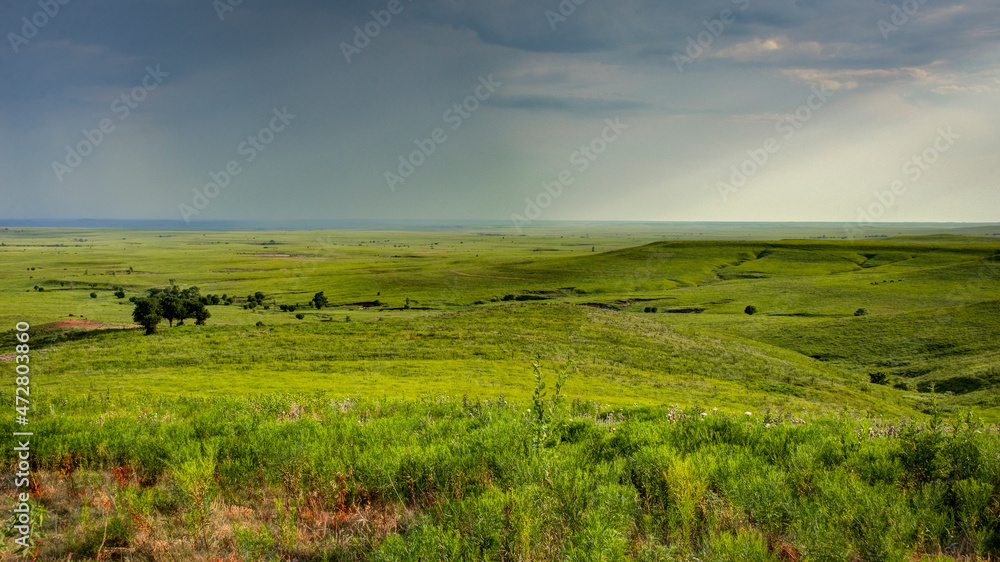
(320, 478)
(409, 425)
(479, 351)
(933, 323)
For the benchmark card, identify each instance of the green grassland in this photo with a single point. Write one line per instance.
(404, 420)
(933, 318)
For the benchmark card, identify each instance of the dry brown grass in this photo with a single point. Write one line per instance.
(81, 503)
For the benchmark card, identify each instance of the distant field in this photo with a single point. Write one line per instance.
(932, 302)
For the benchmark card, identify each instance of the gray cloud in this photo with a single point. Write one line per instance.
(356, 119)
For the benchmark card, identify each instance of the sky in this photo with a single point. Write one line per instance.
(512, 110)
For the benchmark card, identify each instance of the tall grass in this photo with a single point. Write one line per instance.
(314, 477)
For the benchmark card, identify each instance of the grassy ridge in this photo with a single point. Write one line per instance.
(623, 359)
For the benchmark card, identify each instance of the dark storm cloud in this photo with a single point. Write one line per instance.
(938, 30)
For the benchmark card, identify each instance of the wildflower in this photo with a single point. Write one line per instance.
(703, 414)
(748, 413)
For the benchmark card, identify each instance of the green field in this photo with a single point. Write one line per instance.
(446, 325)
(933, 316)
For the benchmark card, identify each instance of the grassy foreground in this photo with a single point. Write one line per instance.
(320, 478)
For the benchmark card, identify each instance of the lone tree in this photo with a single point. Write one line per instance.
(320, 300)
(147, 313)
(751, 310)
(170, 304)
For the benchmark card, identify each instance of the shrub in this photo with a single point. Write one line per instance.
(319, 300)
(300, 316)
(878, 377)
(744, 545)
(861, 312)
(751, 310)
(93, 295)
